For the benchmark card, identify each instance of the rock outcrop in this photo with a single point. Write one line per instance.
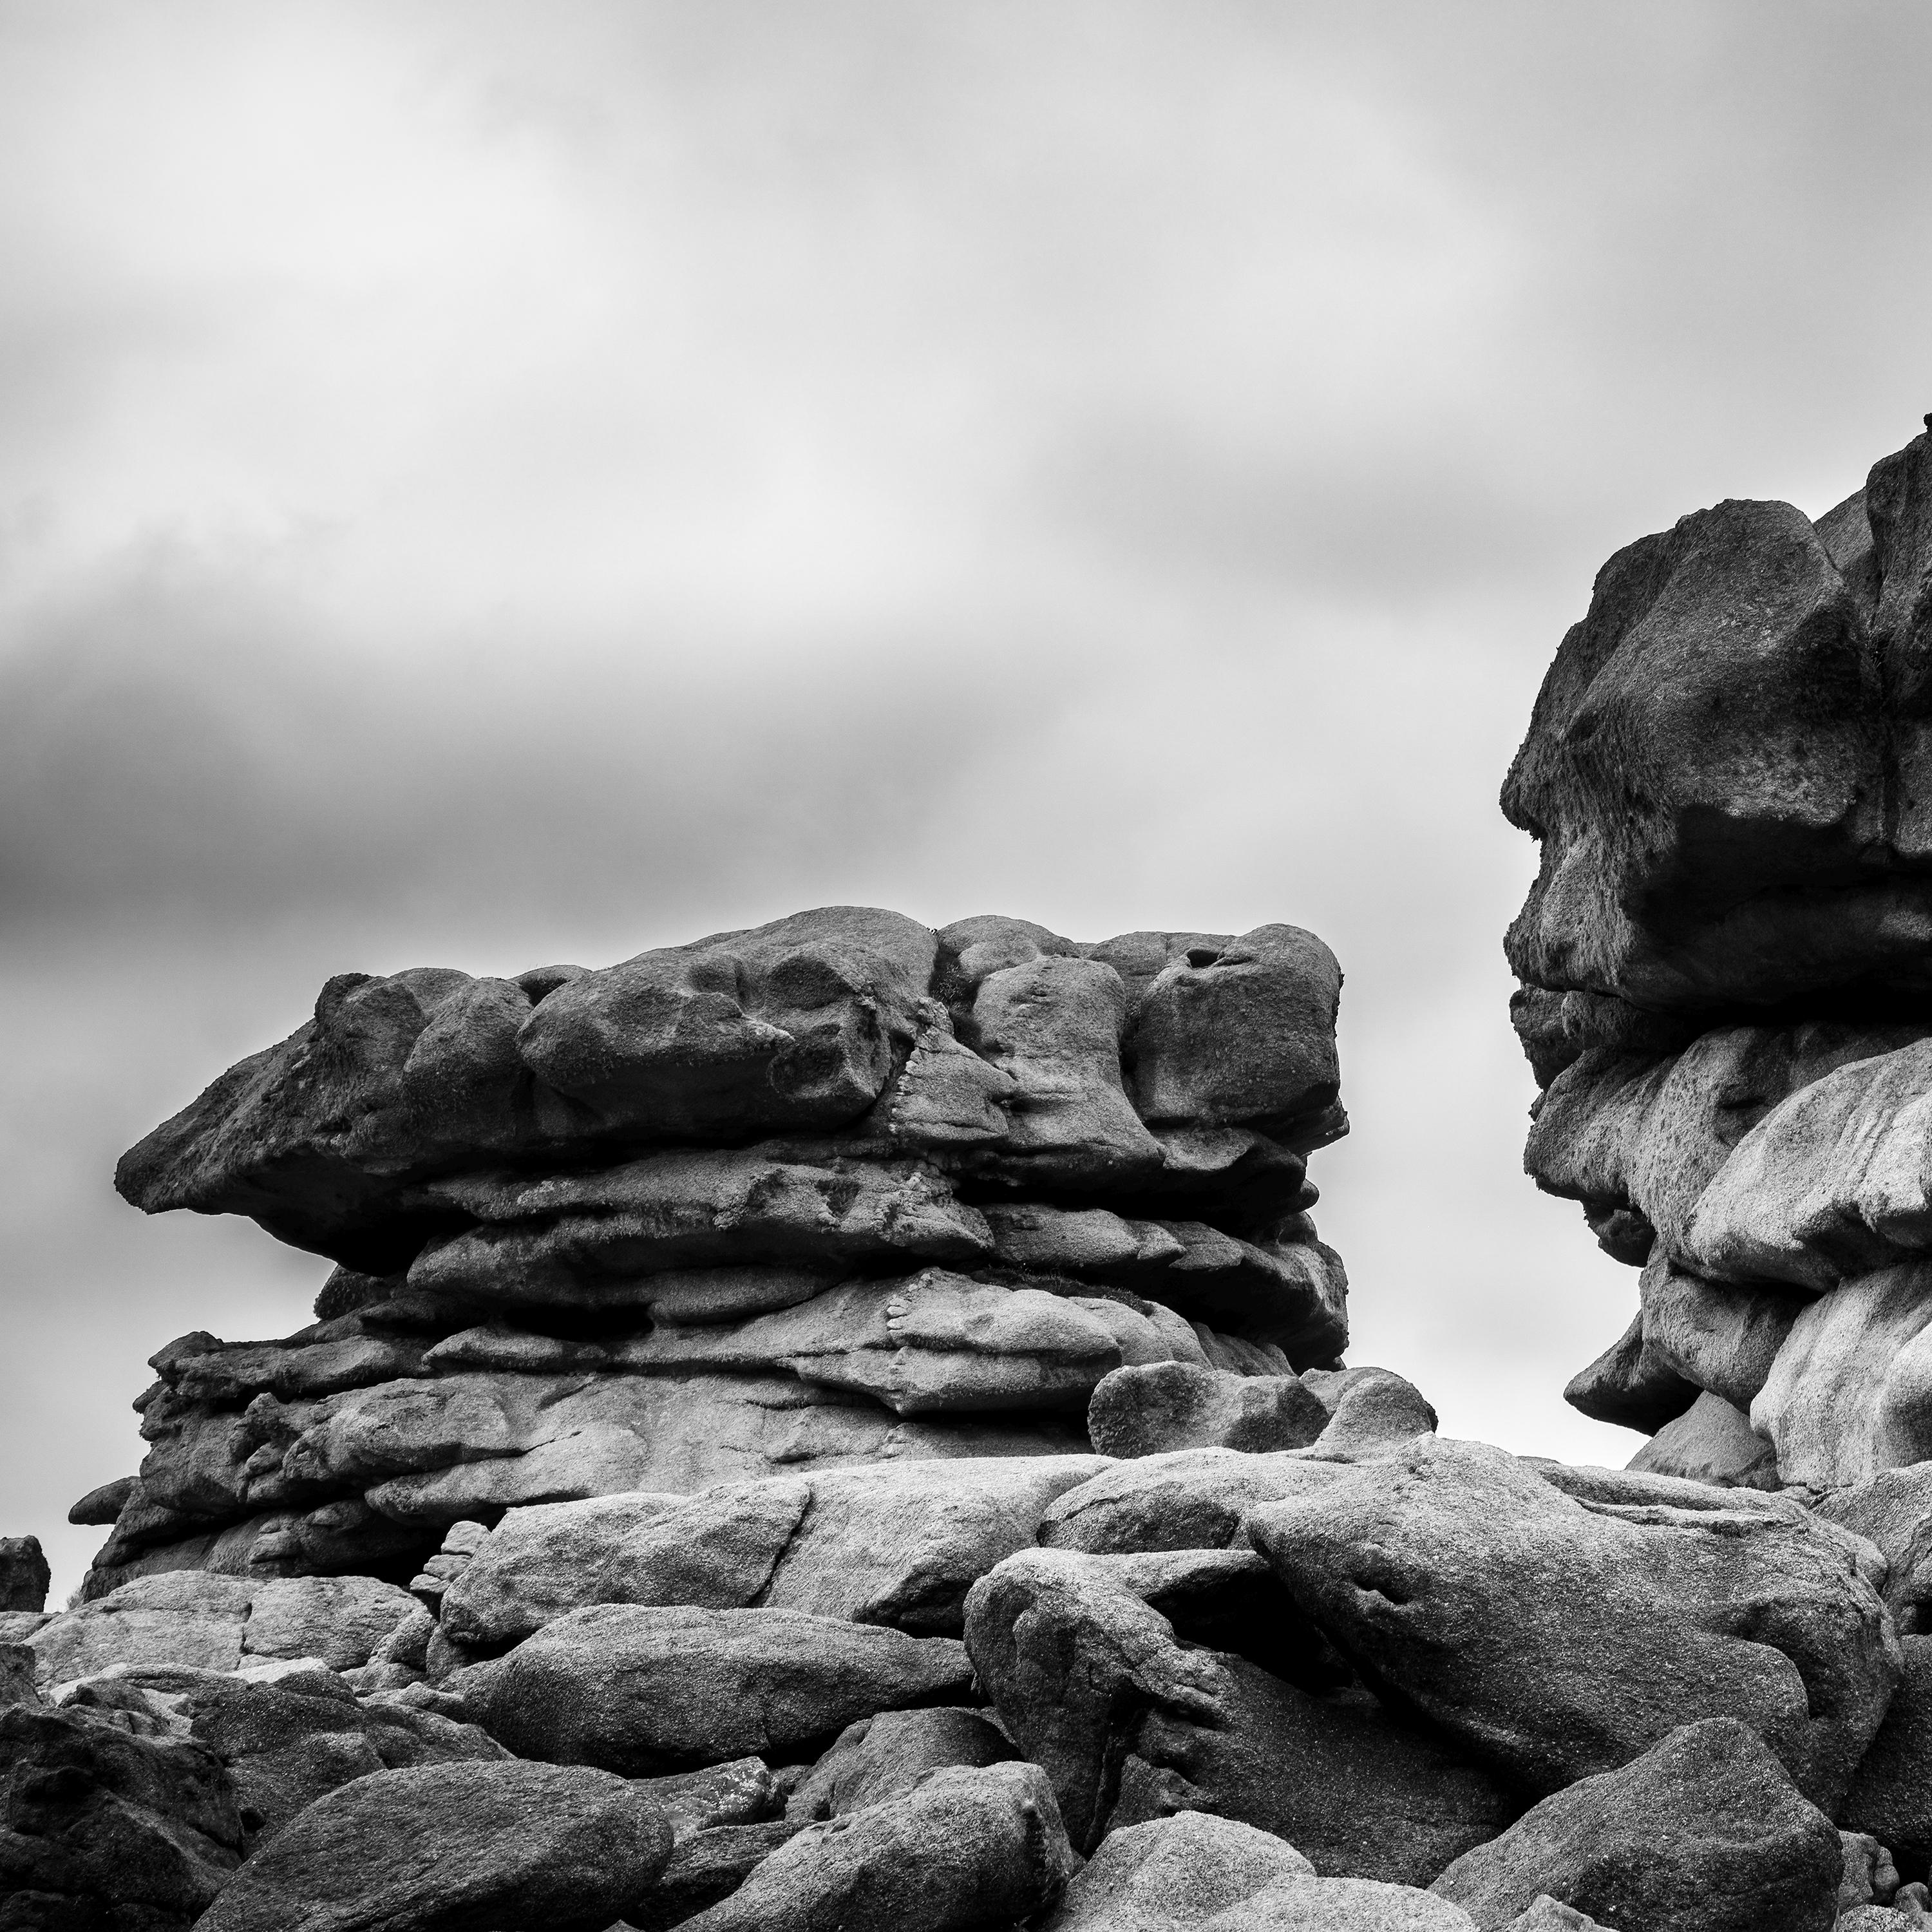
(1727, 978)
(836, 1191)
(843, 1425)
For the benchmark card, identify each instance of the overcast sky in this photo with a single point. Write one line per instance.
(484, 484)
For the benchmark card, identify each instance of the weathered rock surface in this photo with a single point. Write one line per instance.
(966, 1849)
(1145, 1410)
(1125, 1677)
(1171, 1872)
(1558, 1635)
(705, 1868)
(455, 1848)
(24, 1575)
(103, 1827)
(805, 1024)
(1194, 1869)
(1891, 1794)
(205, 1622)
(1703, 1833)
(898, 1544)
(284, 1741)
(884, 1756)
(642, 1690)
(835, 1191)
(1723, 961)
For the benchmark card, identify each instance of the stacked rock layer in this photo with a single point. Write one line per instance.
(835, 1190)
(1726, 970)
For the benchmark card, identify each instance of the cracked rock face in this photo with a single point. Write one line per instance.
(838, 1191)
(1727, 978)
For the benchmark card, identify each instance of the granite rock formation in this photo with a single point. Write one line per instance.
(842, 1428)
(1726, 970)
(835, 1191)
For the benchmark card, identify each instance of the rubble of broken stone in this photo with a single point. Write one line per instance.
(1726, 970)
(838, 1190)
(1353, 1674)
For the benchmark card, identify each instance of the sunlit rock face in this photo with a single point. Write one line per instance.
(1727, 978)
(835, 1190)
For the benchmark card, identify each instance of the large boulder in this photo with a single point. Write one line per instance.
(1557, 1635)
(193, 1620)
(285, 1740)
(1703, 774)
(1157, 1406)
(104, 1827)
(967, 1848)
(1180, 1499)
(640, 1690)
(898, 1543)
(1172, 1872)
(1891, 1794)
(24, 1574)
(1850, 1392)
(1134, 1681)
(333, 1139)
(455, 1848)
(1703, 1833)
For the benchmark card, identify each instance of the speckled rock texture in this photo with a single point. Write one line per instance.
(837, 1191)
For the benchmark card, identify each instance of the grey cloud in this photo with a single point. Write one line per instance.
(177, 739)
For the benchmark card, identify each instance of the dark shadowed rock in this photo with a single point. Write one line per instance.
(17, 1683)
(704, 1867)
(287, 1742)
(883, 1757)
(1702, 774)
(1891, 1794)
(101, 1506)
(642, 1690)
(104, 1827)
(1164, 1405)
(966, 1850)
(1703, 1833)
(24, 1574)
(455, 1848)
(1630, 1386)
(1125, 1677)
(1558, 1635)
(1174, 1872)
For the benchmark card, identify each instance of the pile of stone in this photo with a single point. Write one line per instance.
(1380, 1682)
(1726, 969)
(841, 1189)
